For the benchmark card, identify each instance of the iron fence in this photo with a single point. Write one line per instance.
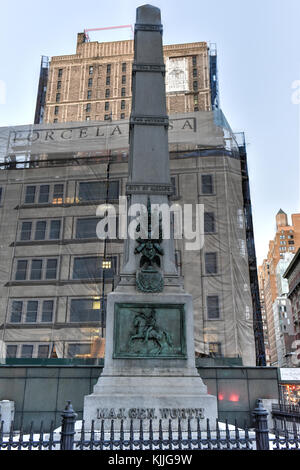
(286, 418)
(221, 436)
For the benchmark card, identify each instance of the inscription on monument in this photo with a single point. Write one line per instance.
(149, 331)
(150, 413)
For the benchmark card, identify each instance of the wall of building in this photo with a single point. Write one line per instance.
(95, 83)
(41, 393)
(286, 240)
(292, 275)
(78, 154)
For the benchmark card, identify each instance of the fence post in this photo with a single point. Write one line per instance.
(67, 428)
(261, 426)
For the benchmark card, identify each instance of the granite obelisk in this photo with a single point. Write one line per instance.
(149, 369)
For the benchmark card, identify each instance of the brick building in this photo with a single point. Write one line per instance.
(292, 274)
(95, 83)
(286, 240)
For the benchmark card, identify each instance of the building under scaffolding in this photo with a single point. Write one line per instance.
(55, 273)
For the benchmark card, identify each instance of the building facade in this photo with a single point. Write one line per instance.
(292, 275)
(95, 82)
(286, 240)
(55, 272)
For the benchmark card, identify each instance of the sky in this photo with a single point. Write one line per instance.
(258, 43)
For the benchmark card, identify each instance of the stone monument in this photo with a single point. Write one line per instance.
(149, 369)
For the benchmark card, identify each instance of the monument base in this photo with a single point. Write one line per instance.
(149, 370)
(161, 396)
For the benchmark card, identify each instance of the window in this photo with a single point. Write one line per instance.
(209, 222)
(44, 194)
(85, 310)
(40, 230)
(122, 116)
(36, 269)
(174, 185)
(75, 350)
(108, 69)
(55, 121)
(26, 231)
(51, 268)
(86, 268)
(107, 93)
(195, 85)
(30, 194)
(90, 82)
(43, 230)
(106, 117)
(58, 85)
(108, 80)
(123, 91)
(123, 79)
(88, 107)
(93, 267)
(106, 106)
(58, 194)
(194, 72)
(43, 351)
(11, 350)
(16, 311)
(89, 94)
(47, 311)
(122, 104)
(54, 229)
(214, 349)
(26, 351)
(213, 311)
(211, 263)
(88, 118)
(60, 72)
(91, 70)
(207, 184)
(96, 190)
(194, 60)
(124, 67)
(21, 270)
(57, 99)
(31, 313)
(86, 228)
(56, 110)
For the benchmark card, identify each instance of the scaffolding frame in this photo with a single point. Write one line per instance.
(42, 90)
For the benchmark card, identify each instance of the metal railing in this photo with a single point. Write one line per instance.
(207, 437)
(286, 417)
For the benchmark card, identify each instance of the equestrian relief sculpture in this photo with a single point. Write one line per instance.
(149, 338)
